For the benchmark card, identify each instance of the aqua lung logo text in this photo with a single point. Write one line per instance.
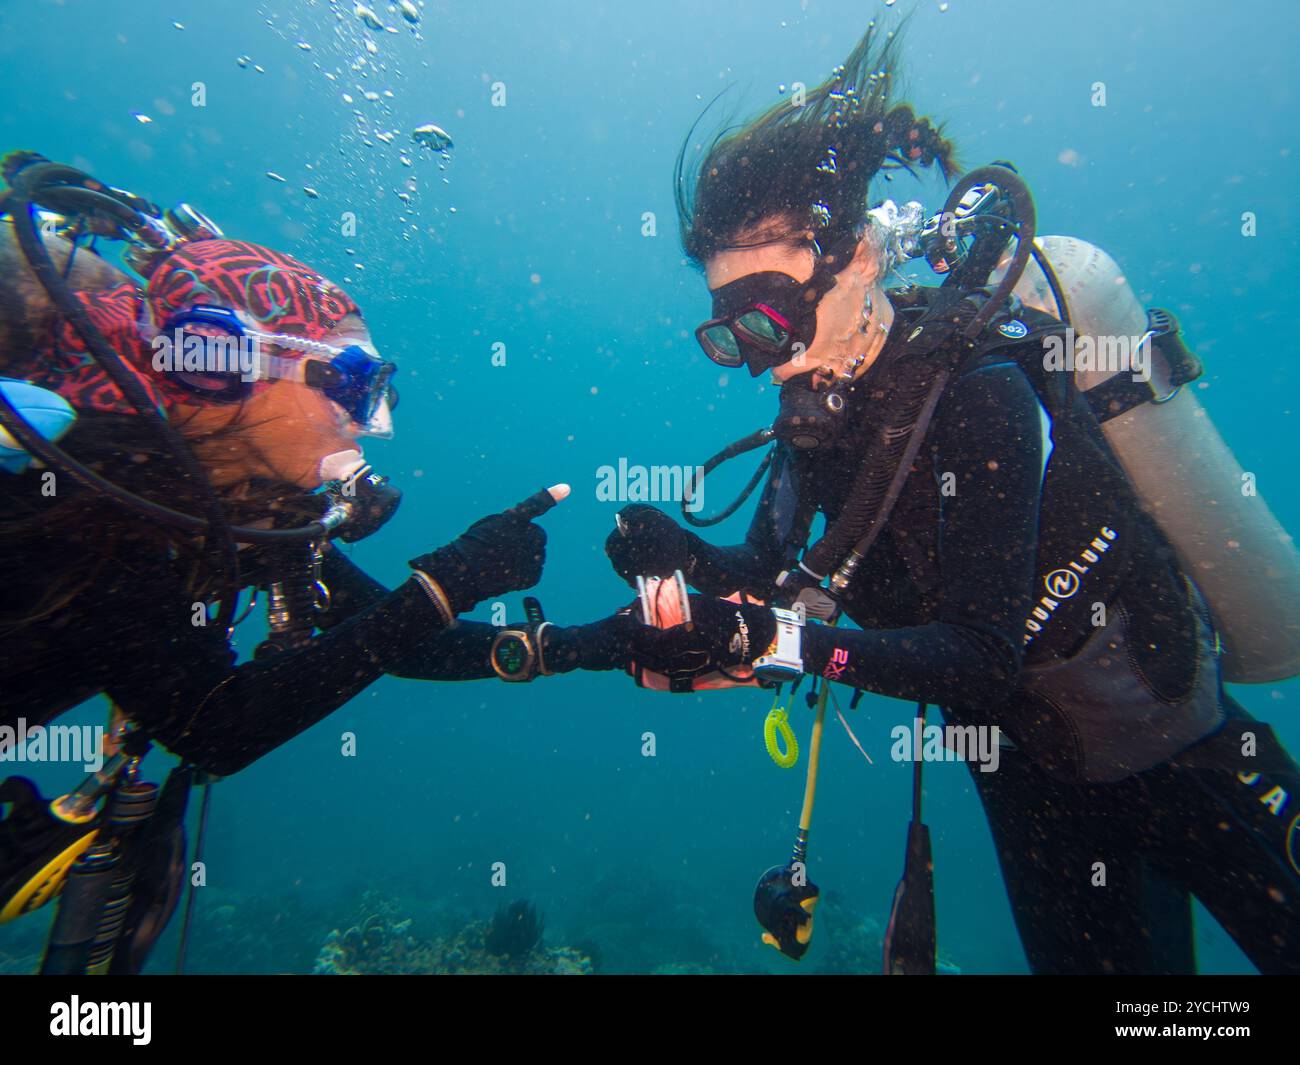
(1277, 801)
(1064, 583)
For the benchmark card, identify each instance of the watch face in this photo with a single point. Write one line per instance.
(512, 655)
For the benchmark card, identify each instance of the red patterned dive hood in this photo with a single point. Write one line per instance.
(278, 292)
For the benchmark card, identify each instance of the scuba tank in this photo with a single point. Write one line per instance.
(1184, 474)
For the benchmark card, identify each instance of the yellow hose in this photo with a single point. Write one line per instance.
(814, 758)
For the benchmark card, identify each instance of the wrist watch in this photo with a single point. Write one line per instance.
(516, 654)
(784, 659)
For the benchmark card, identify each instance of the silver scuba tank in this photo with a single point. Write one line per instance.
(1186, 476)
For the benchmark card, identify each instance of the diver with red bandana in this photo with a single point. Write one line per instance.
(165, 448)
(276, 421)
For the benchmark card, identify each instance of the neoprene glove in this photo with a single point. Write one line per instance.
(602, 645)
(646, 542)
(497, 554)
(722, 635)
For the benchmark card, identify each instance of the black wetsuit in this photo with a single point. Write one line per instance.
(1044, 601)
(129, 633)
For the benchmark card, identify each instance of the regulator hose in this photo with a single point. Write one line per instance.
(960, 312)
(25, 187)
(748, 443)
(44, 180)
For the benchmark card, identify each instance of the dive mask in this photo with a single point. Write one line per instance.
(233, 357)
(759, 319)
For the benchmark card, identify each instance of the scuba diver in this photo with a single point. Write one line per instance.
(165, 447)
(1067, 557)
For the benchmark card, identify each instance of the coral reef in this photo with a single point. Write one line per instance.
(515, 931)
(509, 943)
(681, 968)
(593, 952)
(851, 942)
(243, 932)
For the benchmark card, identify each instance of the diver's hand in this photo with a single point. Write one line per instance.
(736, 633)
(646, 542)
(497, 554)
(602, 645)
(721, 634)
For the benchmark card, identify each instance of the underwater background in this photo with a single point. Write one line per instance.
(532, 234)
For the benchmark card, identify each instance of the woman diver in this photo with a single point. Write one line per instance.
(99, 601)
(182, 481)
(986, 532)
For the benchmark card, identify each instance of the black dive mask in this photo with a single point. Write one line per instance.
(759, 319)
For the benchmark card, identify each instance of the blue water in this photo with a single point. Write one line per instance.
(544, 253)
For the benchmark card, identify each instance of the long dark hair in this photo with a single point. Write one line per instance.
(796, 169)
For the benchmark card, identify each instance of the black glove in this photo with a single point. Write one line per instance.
(646, 542)
(602, 645)
(722, 635)
(497, 554)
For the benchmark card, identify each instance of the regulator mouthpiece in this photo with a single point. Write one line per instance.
(340, 466)
(808, 420)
